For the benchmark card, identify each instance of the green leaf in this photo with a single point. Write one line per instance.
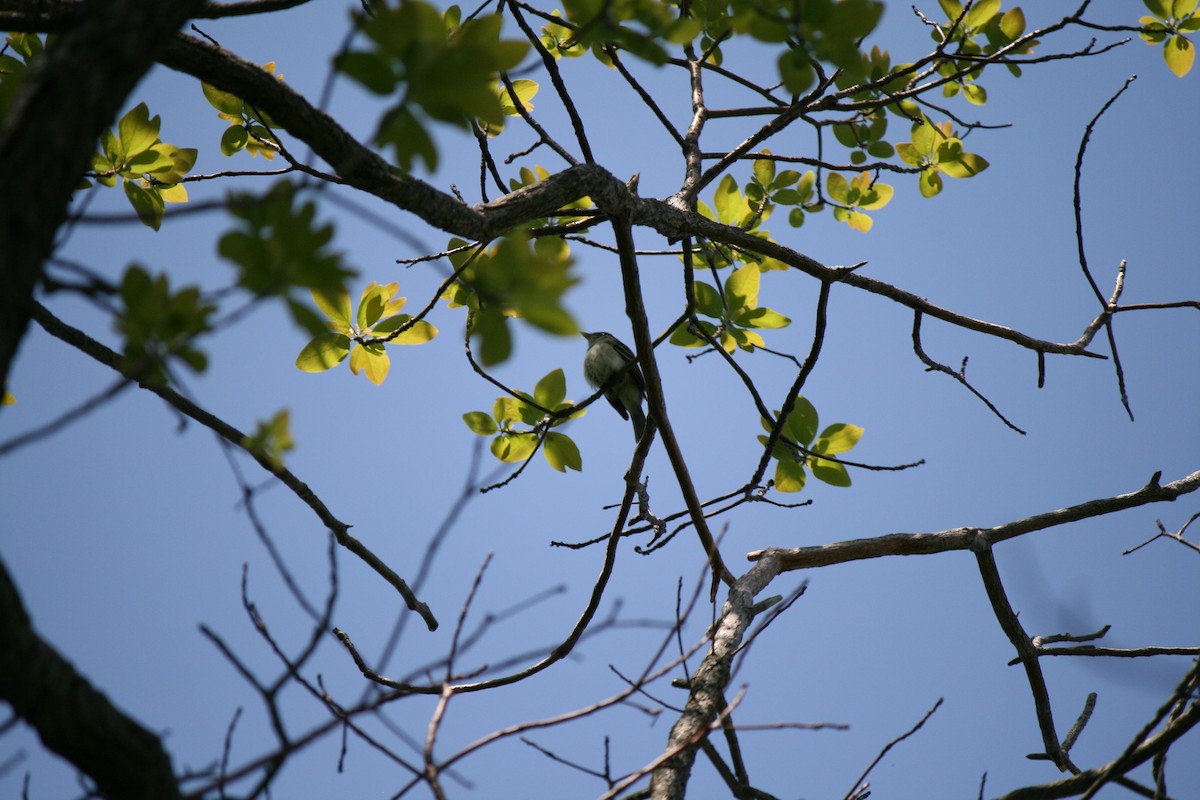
(137, 130)
(796, 71)
(408, 136)
(952, 8)
(682, 337)
(147, 204)
(323, 352)
(234, 139)
(975, 94)
(419, 332)
(786, 178)
(272, 438)
(1012, 23)
(789, 475)
(335, 305)
(763, 318)
(551, 389)
(515, 447)
(495, 342)
(838, 438)
(1179, 54)
(764, 170)
(525, 91)
(370, 307)
(278, 247)
(981, 12)
(371, 360)
(964, 165)
(837, 187)
(741, 288)
(373, 70)
(480, 423)
(222, 101)
(731, 207)
(708, 300)
(830, 472)
(561, 452)
(930, 182)
(802, 422)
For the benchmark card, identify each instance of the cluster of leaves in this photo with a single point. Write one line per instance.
(512, 442)
(159, 326)
(376, 322)
(936, 151)
(735, 312)
(768, 187)
(12, 70)
(864, 136)
(446, 67)
(799, 446)
(249, 129)
(966, 25)
(272, 438)
(827, 31)
(853, 197)
(517, 277)
(523, 91)
(151, 170)
(640, 27)
(559, 40)
(279, 249)
(1171, 21)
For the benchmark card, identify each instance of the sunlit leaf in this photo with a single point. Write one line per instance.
(323, 352)
(561, 452)
(480, 423)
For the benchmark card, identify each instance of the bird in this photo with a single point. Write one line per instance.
(604, 367)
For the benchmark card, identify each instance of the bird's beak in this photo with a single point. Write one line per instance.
(584, 335)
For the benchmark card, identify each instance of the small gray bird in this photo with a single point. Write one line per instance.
(604, 368)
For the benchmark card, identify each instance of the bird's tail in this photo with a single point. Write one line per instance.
(639, 422)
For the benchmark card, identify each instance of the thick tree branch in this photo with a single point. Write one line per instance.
(912, 544)
(72, 718)
(706, 695)
(90, 71)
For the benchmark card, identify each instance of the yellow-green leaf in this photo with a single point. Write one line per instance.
(930, 182)
(323, 352)
(965, 165)
(175, 193)
(838, 438)
(480, 423)
(981, 12)
(371, 360)
(561, 452)
(336, 307)
(830, 472)
(551, 389)
(731, 206)
(138, 131)
(1012, 23)
(789, 475)
(1179, 54)
(741, 289)
(147, 204)
(514, 447)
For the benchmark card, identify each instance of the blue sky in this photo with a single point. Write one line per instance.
(124, 531)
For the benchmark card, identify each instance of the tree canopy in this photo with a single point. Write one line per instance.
(902, 281)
